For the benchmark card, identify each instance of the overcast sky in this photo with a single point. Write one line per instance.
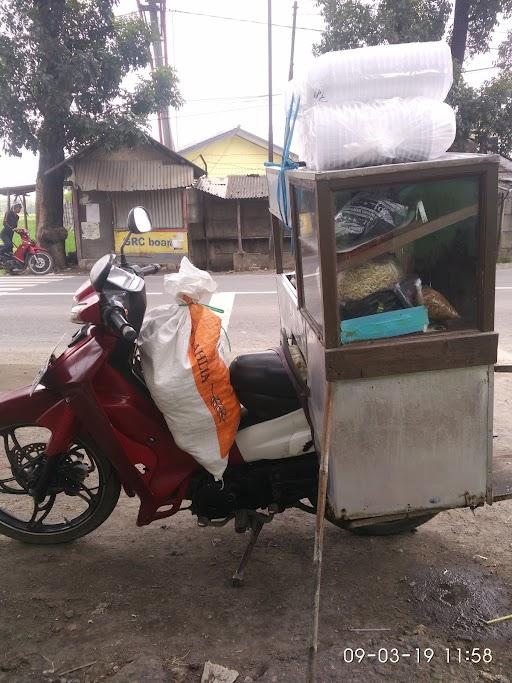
(222, 66)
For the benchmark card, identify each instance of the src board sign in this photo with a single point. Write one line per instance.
(155, 242)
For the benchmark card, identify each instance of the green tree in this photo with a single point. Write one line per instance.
(63, 65)
(473, 24)
(355, 23)
(484, 114)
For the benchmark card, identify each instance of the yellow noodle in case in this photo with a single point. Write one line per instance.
(361, 281)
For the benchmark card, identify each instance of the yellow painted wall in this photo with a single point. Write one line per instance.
(231, 156)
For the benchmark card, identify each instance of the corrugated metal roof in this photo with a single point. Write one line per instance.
(235, 186)
(130, 176)
(145, 140)
(165, 208)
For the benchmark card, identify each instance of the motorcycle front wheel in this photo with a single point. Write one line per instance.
(40, 263)
(82, 492)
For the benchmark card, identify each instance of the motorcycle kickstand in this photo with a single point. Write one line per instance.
(238, 577)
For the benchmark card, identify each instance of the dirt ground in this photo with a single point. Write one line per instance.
(153, 604)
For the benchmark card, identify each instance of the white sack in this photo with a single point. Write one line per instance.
(192, 390)
(372, 133)
(376, 73)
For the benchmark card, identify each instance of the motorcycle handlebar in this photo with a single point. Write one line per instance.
(150, 270)
(121, 325)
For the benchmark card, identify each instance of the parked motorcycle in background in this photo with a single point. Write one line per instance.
(29, 255)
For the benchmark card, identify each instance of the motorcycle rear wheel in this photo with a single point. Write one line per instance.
(40, 263)
(82, 495)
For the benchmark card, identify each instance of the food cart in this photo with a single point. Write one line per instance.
(395, 321)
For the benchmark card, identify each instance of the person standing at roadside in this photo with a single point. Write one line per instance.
(11, 219)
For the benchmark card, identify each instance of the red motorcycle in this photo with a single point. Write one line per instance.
(27, 255)
(88, 427)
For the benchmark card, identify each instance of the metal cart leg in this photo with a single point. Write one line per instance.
(238, 576)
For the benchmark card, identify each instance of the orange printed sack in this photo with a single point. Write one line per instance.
(186, 372)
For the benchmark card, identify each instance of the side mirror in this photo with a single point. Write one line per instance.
(139, 220)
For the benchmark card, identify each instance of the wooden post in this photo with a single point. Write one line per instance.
(319, 531)
(24, 202)
(239, 226)
(75, 203)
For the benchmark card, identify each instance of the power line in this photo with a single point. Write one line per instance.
(219, 111)
(240, 19)
(483, 68)
(234, 97)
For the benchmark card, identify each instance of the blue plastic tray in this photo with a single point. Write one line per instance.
(382, 325)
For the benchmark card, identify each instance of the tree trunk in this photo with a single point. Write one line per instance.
(51, 233)
(460, 30)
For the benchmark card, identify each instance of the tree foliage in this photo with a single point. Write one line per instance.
(484, 16)
(65, 67)
(484, 115)
(355, 23)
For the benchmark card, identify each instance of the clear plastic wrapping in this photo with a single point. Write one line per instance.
(377, 73)
(372, 133)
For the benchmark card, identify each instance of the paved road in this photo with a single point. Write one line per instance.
(34, 311)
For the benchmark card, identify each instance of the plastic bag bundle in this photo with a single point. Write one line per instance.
(365, 216)
(372, 133)
(375, 105)
(185, 371)
(377, 73)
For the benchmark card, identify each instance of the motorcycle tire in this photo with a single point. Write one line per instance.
(40, 263)
(105, 499)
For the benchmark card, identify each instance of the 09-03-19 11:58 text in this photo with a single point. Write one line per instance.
(386, 655)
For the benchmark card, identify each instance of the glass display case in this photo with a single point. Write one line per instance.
(392, 305)
(395, 264)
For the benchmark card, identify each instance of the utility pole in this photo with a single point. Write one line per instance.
(270, 125)
(294, 30)
(156, 10)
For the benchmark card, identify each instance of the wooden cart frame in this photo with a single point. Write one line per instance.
(447, 350)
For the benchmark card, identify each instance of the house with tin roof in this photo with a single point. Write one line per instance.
(106, 184)
(234, 152)
(233, 231)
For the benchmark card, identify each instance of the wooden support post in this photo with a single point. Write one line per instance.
(319, 531)
(24, 202)
(75, 203)
(239, 226)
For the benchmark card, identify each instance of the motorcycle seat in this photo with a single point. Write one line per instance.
(263, 387)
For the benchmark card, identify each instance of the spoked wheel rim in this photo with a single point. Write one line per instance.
(75, 490)
(40, 263)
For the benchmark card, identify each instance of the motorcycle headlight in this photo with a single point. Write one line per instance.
(75, 315)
